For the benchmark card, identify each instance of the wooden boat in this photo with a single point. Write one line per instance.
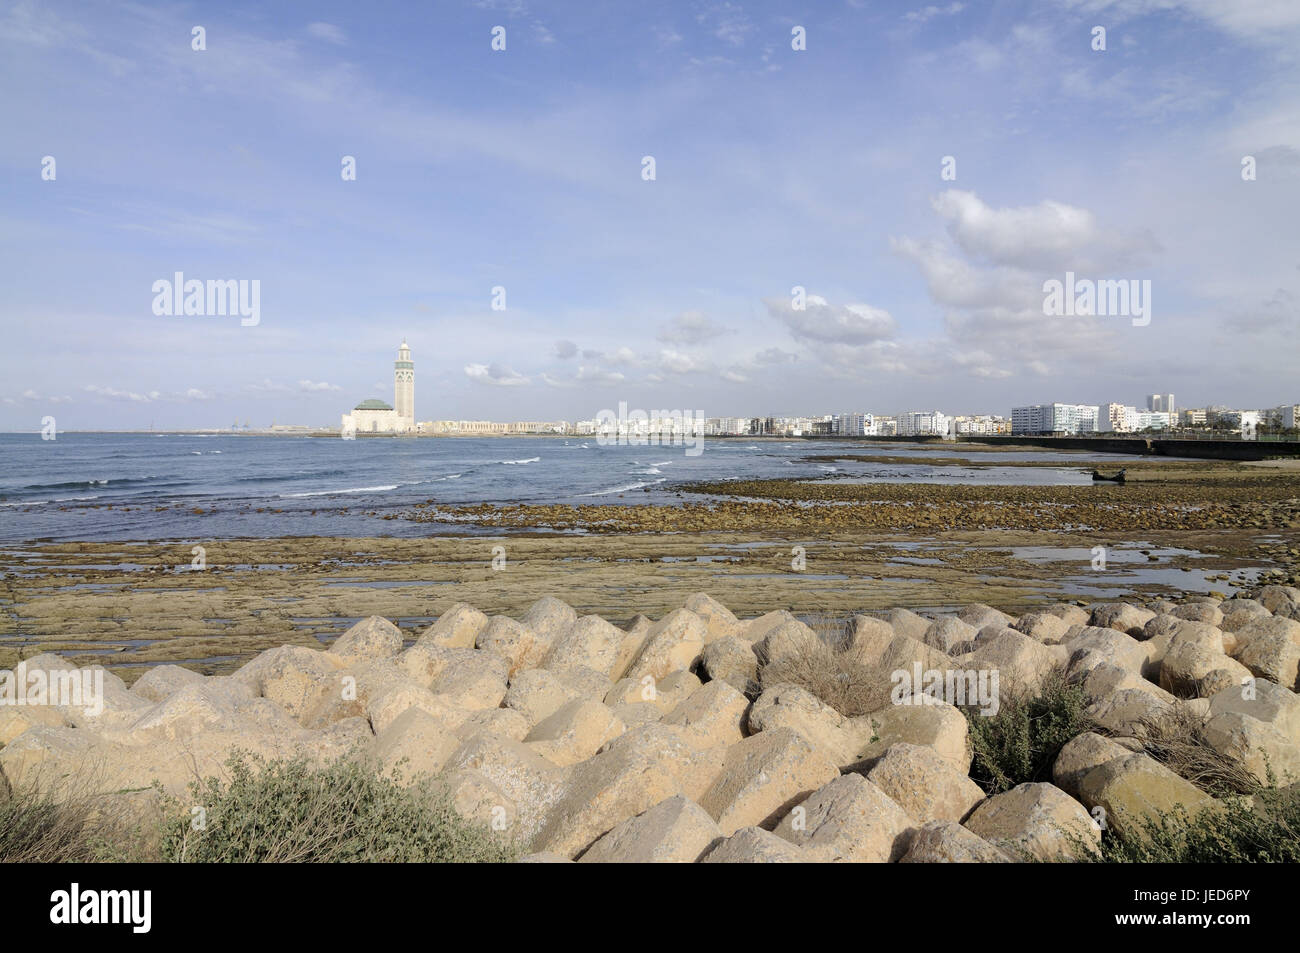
(1117, 478)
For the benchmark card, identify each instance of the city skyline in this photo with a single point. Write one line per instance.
(783, 177)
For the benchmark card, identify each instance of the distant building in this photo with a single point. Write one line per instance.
(1192, 418)
(1054, 418)
(1161, 403)
(922, 423)
(375, 416)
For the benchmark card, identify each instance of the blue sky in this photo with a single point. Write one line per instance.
(775, 168)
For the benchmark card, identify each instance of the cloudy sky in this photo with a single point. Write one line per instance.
(523, 169)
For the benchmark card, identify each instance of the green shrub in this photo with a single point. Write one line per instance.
(1022, 740)
(290, 810)
(1263, 829)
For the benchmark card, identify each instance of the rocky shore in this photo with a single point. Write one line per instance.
(703, 737)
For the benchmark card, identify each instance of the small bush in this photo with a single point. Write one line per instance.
(834, 670)
(1177, 740)
(36, 826)
(292, 811)
(1263, 829)
(1020, 743)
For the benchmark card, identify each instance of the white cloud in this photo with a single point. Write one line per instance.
(494, 374)
(328, 32)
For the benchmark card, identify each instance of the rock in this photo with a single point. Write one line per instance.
(674, 831)
(504, 722)
(719, 622)
(1072, 615)
(1277, 599)
(371, 638)
(923, 784)
(756, 630)
(762, 777)
(575, 732)
(848, 819)
(1080, 755)
(789, 706)
(664, 693)
(457, 628)
(539, 693)
(1189, 670)
(530, 783)
(908, 623)
(903, 653)
(478, 680)
(711, 715)
(1109, 645)
(1265, 751)
(291, 676)
(869, 638)
(945, 842)
(1270, 627)
(672, 645)
(627, 777)
(1123, 712)
(731, 660)
(977, 615)
(162, 680)
(1266, 701)
(591, 643)
(944, 633)
(1199, 612)
(384, 707)
(1239, 613)
(549, 618)
(1034, 819)
(933, 724)
(753, 845)
(787, 639)
(513, 641)
(1042, 627)
(1121, 617)
(1022, 664)
(475, 797)
(1273, 656)
(1136, 788)
(414, 744)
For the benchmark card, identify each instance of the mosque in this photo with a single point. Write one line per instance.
(375, 416)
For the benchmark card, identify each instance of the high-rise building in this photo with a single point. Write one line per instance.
(404, 387)
(1055, 418)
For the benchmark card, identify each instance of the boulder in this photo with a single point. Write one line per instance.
(1036, 820)
(590, 642)
(664, 693)
(1271, 655)
(731, 660)
(1134, 789)
(848, 819)
(1080, 755)
(933, 724)
(719, 622)
(575, 732)
(925, 785)
(671, 645)
(530, 783)
(908, 623)
(414, 744)
(457, 628)
(945, 842)
(1042, 627)
(549, 618)
(712, 715)
(674, 831)
(753, 845)
(792, 707)
(762, 777)
(372, 638)
(1121, 616)
(162, 680)
(943, 634)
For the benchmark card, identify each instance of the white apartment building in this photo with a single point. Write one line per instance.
(1055, 418)
(922, 423)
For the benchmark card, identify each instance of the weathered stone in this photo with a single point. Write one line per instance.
(674, 831)
(591, 642)
(458, 628)
(1042, 627)
(1199, 612)
(415, 744)
(1022, 664)
(1080, 755)
(1265, 751)
(372, 638)
(908, 623)
(513, 641)
(868, 638)
(731, 660)
(575, 732)
(1134, 789)
(1121, 617)
(162, 680)
(762, 777)
(549, 618)
(1036, 819)
(1272, 655)
(927, 722)
(719, 622)
(945, 842)
(664, 693)
(787, 639)
(848, 819)
(753, 845)
(978, 615)
(525, 779)
(713, 714)
(672, 645)
(789, 706)
(925, 785)
(944, 633)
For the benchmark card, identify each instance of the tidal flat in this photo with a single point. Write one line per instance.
(820, 548)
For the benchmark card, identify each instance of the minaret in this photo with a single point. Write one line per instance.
(404, 387)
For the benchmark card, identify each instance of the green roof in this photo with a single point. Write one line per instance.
(372, 404)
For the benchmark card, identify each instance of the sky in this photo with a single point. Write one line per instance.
(919, 170)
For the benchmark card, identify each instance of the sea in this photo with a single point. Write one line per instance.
(143, 486)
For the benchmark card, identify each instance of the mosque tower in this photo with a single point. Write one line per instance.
(404, 388)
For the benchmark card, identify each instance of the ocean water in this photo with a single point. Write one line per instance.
(151, 486)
